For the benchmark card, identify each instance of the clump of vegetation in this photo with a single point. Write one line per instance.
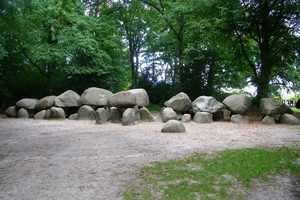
(219, 177)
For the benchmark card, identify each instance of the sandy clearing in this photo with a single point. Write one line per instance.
(53, 159)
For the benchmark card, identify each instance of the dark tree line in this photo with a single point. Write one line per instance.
(199, 47)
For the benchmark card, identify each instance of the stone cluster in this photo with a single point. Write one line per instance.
(95, 103)
(129, 107)
(206, 109)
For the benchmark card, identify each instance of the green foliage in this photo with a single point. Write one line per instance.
(220, 177)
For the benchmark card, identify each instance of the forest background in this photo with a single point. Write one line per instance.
(200, 47)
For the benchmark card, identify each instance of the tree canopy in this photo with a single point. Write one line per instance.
(198, 47)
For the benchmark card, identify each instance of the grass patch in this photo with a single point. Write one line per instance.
(220, 177)
(295, 109)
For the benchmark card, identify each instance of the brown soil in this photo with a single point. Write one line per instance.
(64, 159)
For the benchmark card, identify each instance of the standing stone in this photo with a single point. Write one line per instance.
(67, 99)
(27, 103)
(146, 115)
(22, 113)
(141, 95)
(240, 119)
(206, 104)
(40, 115)
(268, 120)
(173, 126)
(137, 113)
(238, 103)
(186, 118)
(11, 111)
(57, 113)
(168, 114)
(101, 117)
(269, 106)
(122, 100)
(86, 113)
(114, 115)
(289, 119)
(108, 113)
(203, 117)
(180, 102)
(45, 103)
(128, 117)
(95, 96)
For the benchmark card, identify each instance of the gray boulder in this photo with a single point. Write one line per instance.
(114, 115)
(206, 104)
(146, 115)
(22, 113)
(11, 111)
(108, 113)
(289, 119)
(173, 126)
(128, 117)
(27, 103)
(95, 96)
(186, 118)
(180, 102)
(268, 120)
(122, 99)
(67, 99)
(269, 106)
(238, 103)
(203, 117)
(141, 95)
(168, 114)
(240, 119)
(45, 103)
(40, 115)
(86, 113)
(101, 117)
(57, 113)
(73, 116)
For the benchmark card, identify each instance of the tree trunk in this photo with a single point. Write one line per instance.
(133, 71)
(49, 83)
(263, 81)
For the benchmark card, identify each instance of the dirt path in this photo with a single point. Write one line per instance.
(52, 159)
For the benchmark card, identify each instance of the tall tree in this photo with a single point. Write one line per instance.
(268, 36)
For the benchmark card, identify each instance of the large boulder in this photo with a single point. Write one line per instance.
(45, 103)
(268, 120)
(40, 115)
(240, 119)
(206, 104)
(173, 126)
(238, 103)
(11, 111)
(95, 96)
(269, 106)
(146, 115)
(22, 113)
(67, 99)
(128, 117)
(289, 119)
(141, 95)
(57, 113)
(203, 117)
(86, 113)
(101, 117)
(180, 102)
(122, 99)
(27, 103)
(168, 114)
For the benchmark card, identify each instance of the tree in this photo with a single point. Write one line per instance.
(58, 38)
(268, 35)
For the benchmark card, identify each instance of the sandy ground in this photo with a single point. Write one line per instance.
(53, 159)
